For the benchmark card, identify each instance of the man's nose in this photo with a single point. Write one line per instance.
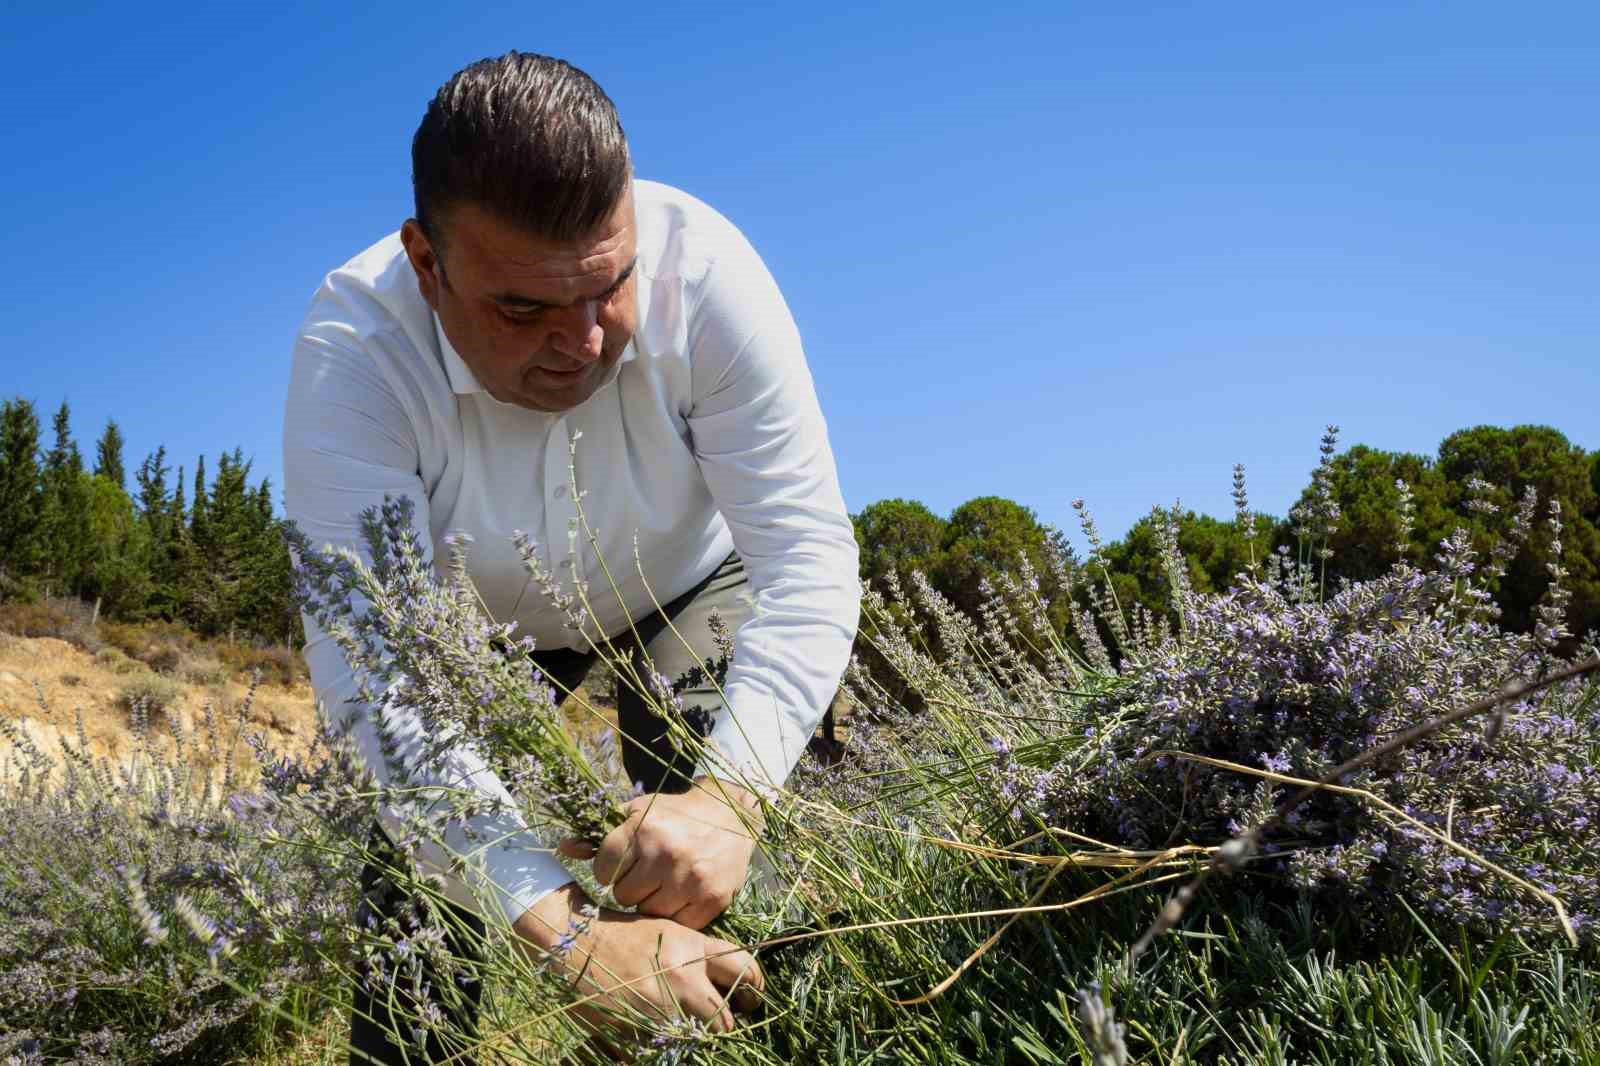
(578, 333)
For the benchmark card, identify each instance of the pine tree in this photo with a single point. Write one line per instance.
(108, 455)
(21, 490)
(232, 535)
(179, 566)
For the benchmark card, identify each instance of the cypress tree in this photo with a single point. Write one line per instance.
(118, 569)
(108, 455)
(179, 506)
(152, 480)
(21, 490)
(197, 520)
(155, 506)
(64, 511)
(229, 517)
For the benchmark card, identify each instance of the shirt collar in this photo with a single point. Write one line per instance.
(462, 380)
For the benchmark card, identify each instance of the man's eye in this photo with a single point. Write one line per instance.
(523, 315)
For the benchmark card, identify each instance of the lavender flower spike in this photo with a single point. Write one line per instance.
(1101, 1030)
(139, 903)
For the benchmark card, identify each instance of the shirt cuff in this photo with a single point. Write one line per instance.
(755, 746)
(497, 865)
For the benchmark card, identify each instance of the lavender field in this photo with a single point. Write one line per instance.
(975, 881)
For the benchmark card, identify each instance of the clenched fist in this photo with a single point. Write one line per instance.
(681, 856)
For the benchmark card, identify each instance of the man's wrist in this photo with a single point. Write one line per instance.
(721, 787)
(551, 918)
(743, 802)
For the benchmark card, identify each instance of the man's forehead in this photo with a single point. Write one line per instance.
(501, 254)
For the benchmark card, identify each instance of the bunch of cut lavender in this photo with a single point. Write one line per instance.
(1277, 681)
(428, 646)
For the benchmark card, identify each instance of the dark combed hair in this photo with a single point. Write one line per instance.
(530, 138)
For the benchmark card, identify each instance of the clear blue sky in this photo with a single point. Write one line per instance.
(1036, 250)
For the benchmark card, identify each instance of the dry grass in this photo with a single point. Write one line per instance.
(68, 620)
(46, 681)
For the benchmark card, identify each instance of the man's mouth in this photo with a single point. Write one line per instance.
(563, 373)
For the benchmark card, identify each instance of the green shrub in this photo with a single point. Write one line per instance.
(202, 670)
(113, 659)
(163, 658)
(127, 638)
(276, 663)
(154, 692)
(156, 644)
(12, 587)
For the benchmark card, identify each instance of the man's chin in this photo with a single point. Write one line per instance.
(540, 390)
(546, 403)
(540, 397)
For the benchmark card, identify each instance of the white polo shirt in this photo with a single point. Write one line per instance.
(705, 437)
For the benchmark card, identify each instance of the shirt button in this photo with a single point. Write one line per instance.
(561, 492)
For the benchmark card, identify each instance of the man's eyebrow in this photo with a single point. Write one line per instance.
(514, 299)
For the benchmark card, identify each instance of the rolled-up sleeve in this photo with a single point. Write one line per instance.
(762, 446)
(348, 441)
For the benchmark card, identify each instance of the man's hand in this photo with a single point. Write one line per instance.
(681, 856)
(652, 965)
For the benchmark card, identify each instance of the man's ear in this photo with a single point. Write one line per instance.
(424, 261)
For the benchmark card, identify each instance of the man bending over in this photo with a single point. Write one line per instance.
(540, 293)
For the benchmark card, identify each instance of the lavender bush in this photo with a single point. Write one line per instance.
(145, 915)
(1270, 679)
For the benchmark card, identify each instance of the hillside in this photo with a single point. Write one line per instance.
(46, 681)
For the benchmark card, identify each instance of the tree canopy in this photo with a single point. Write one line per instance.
(1475, 482)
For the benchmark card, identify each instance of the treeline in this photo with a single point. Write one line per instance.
(208, 553)
(207, 550)
(1350, 508)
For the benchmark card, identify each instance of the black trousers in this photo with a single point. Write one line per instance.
(386, 1004)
